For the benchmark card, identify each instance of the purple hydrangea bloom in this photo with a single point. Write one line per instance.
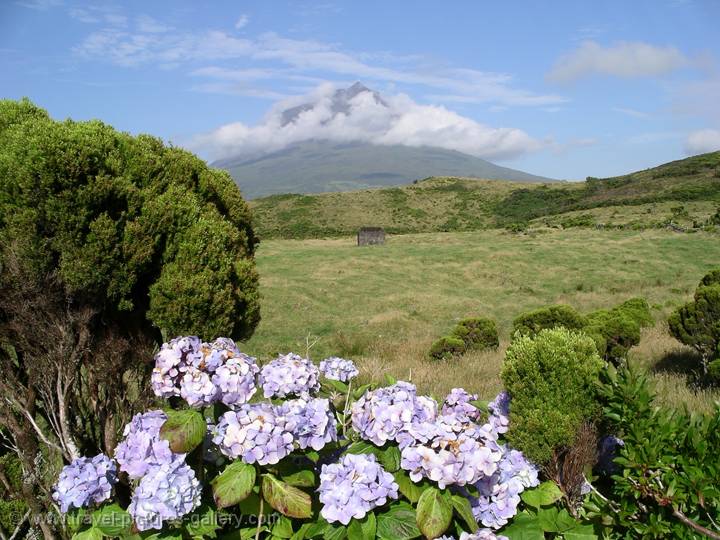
(449, 458)
(607, 453)
(458, 403)
(311, 422)
(85, 481)
(338, 369)
(142, 446)
(482, 534)
(215, 354)
(197, 388)
(386, 414)
(289, 374)
(354, 486)
(235, 379)
(255, 432)
(500, 493)
(166, 492)
(171, 362)
(499, 417)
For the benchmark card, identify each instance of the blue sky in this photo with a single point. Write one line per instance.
(562, 89)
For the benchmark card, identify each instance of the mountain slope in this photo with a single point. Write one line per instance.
(689, 187)
(323, 166)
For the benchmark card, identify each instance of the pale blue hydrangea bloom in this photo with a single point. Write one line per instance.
(85, 481)
(386, 414)
(458, 403)
(255, 432)
(500, 493)
(168, 491)
(311, 422)
(482, 534)
(338, 369)
(289, 374)
(499, 417)
(353, 487)
(197, 388)
(235, 380)
(142, 447)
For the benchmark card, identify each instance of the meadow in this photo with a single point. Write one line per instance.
(383, 305)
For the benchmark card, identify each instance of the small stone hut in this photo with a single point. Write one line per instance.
(371, 236)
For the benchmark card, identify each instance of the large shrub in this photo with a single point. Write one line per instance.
(551, 379)
(107, 241)
(532, 322)
(447, 347)
(697, 323)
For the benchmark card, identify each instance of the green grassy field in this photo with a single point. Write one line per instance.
(384, 305)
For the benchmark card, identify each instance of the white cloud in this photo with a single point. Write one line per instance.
(98, 15)
(631, 112)
(242, 21)
(311, 58)
(624, 59)
(400, 120)
(39, 5)
(147, 25)
(702, 141)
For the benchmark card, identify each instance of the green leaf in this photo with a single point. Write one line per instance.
(390, 380)
(316, 529)
(184, 430)
(362, 529)
(398, 523)
(552, 520)
(546, 493)
(234, 484)
(581, 532)
(434, 513)
(112, 520)
(90, 533)
(464, 510)
(163, 535)
(282, 528)
(389, 458)
(523, 527)
(76, 518)
(301, 533)
(408, 488)
(360, 390)
(338, 386)
(286, 499)
(202, 522)
(361, 447)
(335, 532)
(303, 478)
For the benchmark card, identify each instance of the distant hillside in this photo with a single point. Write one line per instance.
(450, 204)
(314, 166)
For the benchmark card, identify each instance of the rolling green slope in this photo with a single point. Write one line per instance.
(460, 204)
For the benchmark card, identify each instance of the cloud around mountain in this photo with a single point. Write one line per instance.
(358, 114)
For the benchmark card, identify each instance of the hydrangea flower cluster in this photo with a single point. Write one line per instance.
(607, 452)
(354, 486)
(449, 458)
(386, 414)
(142, 447)
(457, 403)
(85, 481)
(500, 493)
(289, 374)
(256, 433)
(166, 492)
(338, 369)
(203, 373)
(311, 421)
(499, 417)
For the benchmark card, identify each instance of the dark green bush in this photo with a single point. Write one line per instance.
(447, 347)
(714, 371)
(132, 227)
(532, 322)
(552, 380)
(11, 508)
(477, 333)
(639, 310)
(667, 486)
(697, 323)
(614, 333)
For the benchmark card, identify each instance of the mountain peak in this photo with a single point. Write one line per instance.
(339, 102)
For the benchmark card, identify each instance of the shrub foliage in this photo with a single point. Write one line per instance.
(532, 322)
(473, 333)
(552, 381)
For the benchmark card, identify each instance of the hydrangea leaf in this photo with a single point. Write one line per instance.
(398, 523)
(408, 488)
(434, 513)
(112, 520)
(234, 484)
(546, 493)
(524, 527)
(282, 528)
(184, 430)
(552, 520)
(362, 529)
(286, 499)
(202, 523)
(91, 533)
(303, 478)
(464, 510)
(581, 532)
